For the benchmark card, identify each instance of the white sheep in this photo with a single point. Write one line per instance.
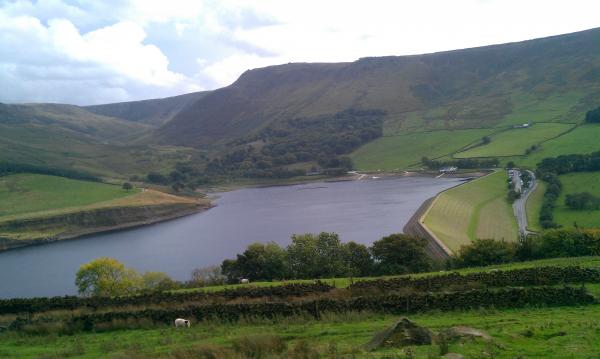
(244, 281)
(179, 322)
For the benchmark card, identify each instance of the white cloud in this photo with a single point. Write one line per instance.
(56, 56)
(227, 70)
(97, 51)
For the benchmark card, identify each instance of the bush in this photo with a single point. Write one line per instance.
(582, 200)
(593, 116)
(484, 252)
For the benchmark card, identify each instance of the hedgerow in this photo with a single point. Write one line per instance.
(389, 304)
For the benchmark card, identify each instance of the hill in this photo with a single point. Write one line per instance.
(39, 208)
(543, 80)
(154, 112)
(67, 136)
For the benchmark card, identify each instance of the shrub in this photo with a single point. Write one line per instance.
(484, 252)
(582, 200)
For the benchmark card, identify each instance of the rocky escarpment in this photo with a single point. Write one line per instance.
(70, 225)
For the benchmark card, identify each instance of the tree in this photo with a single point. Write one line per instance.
(157, 282)
(312, 256)
(512, 195)
(127, 186)
(106, 277)
(211, 275)
(258, 262)
(510, 164)
(484, 252)
(157, 178)
(485, 140)
(330, 256)
(582, 200)
(593, 116)
(357, 260)
(399, 253)
(302, 256)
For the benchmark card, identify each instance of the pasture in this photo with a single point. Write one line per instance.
(477, 209)
(574, 183)
(29, 193)
(529, 332)
(516, 141)
(583, 139)
(404, 151)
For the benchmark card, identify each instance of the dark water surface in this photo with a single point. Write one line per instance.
(362, 211)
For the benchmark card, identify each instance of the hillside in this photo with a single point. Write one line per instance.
(154, 112)
(542, 80)
(67, 136)
(38, 208)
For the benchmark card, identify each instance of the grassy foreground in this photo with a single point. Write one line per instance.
(477, 209)
(570, 332)
(559, 332)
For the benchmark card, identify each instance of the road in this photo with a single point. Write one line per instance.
(519, 205)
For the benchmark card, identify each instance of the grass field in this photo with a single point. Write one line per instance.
(516, 333)
(583, 139)
(400, 152)
(570, 332)
(516, 141)
(533, 206)
(573, 183)
(345, 282)
(29, 193)
(33, 196)
(474, 210)
(557, 107)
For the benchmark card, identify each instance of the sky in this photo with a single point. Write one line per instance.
(90, 52)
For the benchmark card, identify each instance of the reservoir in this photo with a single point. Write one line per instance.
(360, 211)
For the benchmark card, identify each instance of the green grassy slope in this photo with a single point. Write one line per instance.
(477, 209)
(69, 137)
(583, 139)
(574, 183)
(27, 193)
(525, 332)
(392, 152)
(515, 142)
(528, 333)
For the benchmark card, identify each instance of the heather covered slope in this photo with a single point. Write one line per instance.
(66, 136)
(152, 112)
(482, 87)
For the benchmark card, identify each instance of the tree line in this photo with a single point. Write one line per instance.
(312, 256)
(550, 168)
(8, 168)
(469, 163)
(554, 243)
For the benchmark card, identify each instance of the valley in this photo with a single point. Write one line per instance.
(269, 211)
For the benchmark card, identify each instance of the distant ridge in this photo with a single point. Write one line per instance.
(152, 112)
(471, 88)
